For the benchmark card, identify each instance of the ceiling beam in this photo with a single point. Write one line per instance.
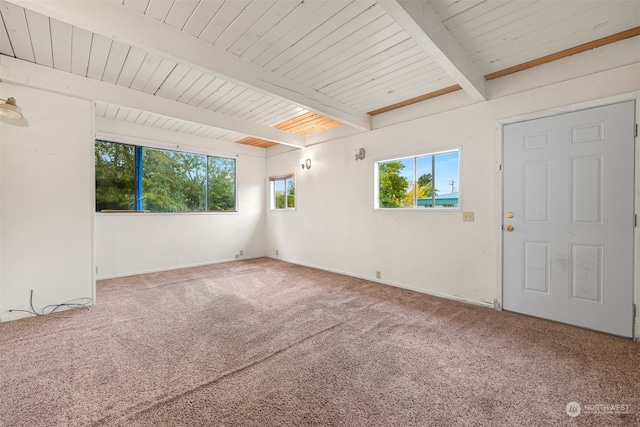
(111, 19)
(25, 73)
(422, 23)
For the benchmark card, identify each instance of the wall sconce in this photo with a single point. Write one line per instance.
(306, 164)
(359, 153)
(9, 109)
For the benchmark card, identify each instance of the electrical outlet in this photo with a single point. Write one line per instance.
(467, 216)
(241, 252)
(377, 274)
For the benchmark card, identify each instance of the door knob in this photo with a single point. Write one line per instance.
(509, 227)
(509, 215)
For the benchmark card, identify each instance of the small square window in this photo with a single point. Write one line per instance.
(283, 192)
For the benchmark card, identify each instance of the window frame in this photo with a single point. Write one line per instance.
(415, 156)
(272, 192)
(138, 174)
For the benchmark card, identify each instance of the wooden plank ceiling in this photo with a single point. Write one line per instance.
(300, 67)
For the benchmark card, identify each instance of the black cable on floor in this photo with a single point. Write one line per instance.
(74, 303)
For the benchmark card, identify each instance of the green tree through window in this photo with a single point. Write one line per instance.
(173, 181)
(169, 181)
(393, 186)
(115, 182)
(222, 184)
(425, 184)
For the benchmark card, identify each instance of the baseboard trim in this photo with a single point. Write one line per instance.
(390, 283)
(177, 267)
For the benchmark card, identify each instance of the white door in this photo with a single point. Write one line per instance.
(569, 218)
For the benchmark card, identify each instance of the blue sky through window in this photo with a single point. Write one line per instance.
(446, 165)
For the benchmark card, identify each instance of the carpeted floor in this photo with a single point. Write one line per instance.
(266, 343)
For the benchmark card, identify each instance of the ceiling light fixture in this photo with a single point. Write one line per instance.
(10, 109)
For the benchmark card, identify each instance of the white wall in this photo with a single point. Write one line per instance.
(46, 215)
(336, 228)
(137, 243)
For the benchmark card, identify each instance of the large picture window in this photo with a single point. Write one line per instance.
(138, 178)
(283, 191)
(430, 180)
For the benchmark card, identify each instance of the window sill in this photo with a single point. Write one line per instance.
(111, 212)
(458, 209)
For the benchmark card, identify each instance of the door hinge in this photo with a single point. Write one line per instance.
(635, 220)
(634, 311)
(636, 135)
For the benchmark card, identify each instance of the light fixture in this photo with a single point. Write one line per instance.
(306, 164)
(10, 109)
(359, 153)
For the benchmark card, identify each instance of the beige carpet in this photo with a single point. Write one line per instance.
(266, 343)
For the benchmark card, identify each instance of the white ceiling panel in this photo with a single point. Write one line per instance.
(201, 16)
(131, 65)
(80, 50)
(279, 29)
(40, 32)
(139, 5)
(15, 22)
(159, 76)
(115, 60)
(181, 12)
(293, 54)
(261, 26)
(305, 27)
(159, 9)
(184, 85)
(61, 36)
(223, 18)
(100, 48)
(449, 8)
(224, 66)
(196, 87)
(5, 43)
(201, 97)
(400, 56)
(247, 18)
(145, 71)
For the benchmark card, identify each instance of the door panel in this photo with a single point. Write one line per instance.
(568, 180)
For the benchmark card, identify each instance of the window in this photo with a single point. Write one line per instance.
(138, 178)
(115, 183)
(430, 180)
(283, 192)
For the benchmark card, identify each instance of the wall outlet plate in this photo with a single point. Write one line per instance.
(467, 216)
